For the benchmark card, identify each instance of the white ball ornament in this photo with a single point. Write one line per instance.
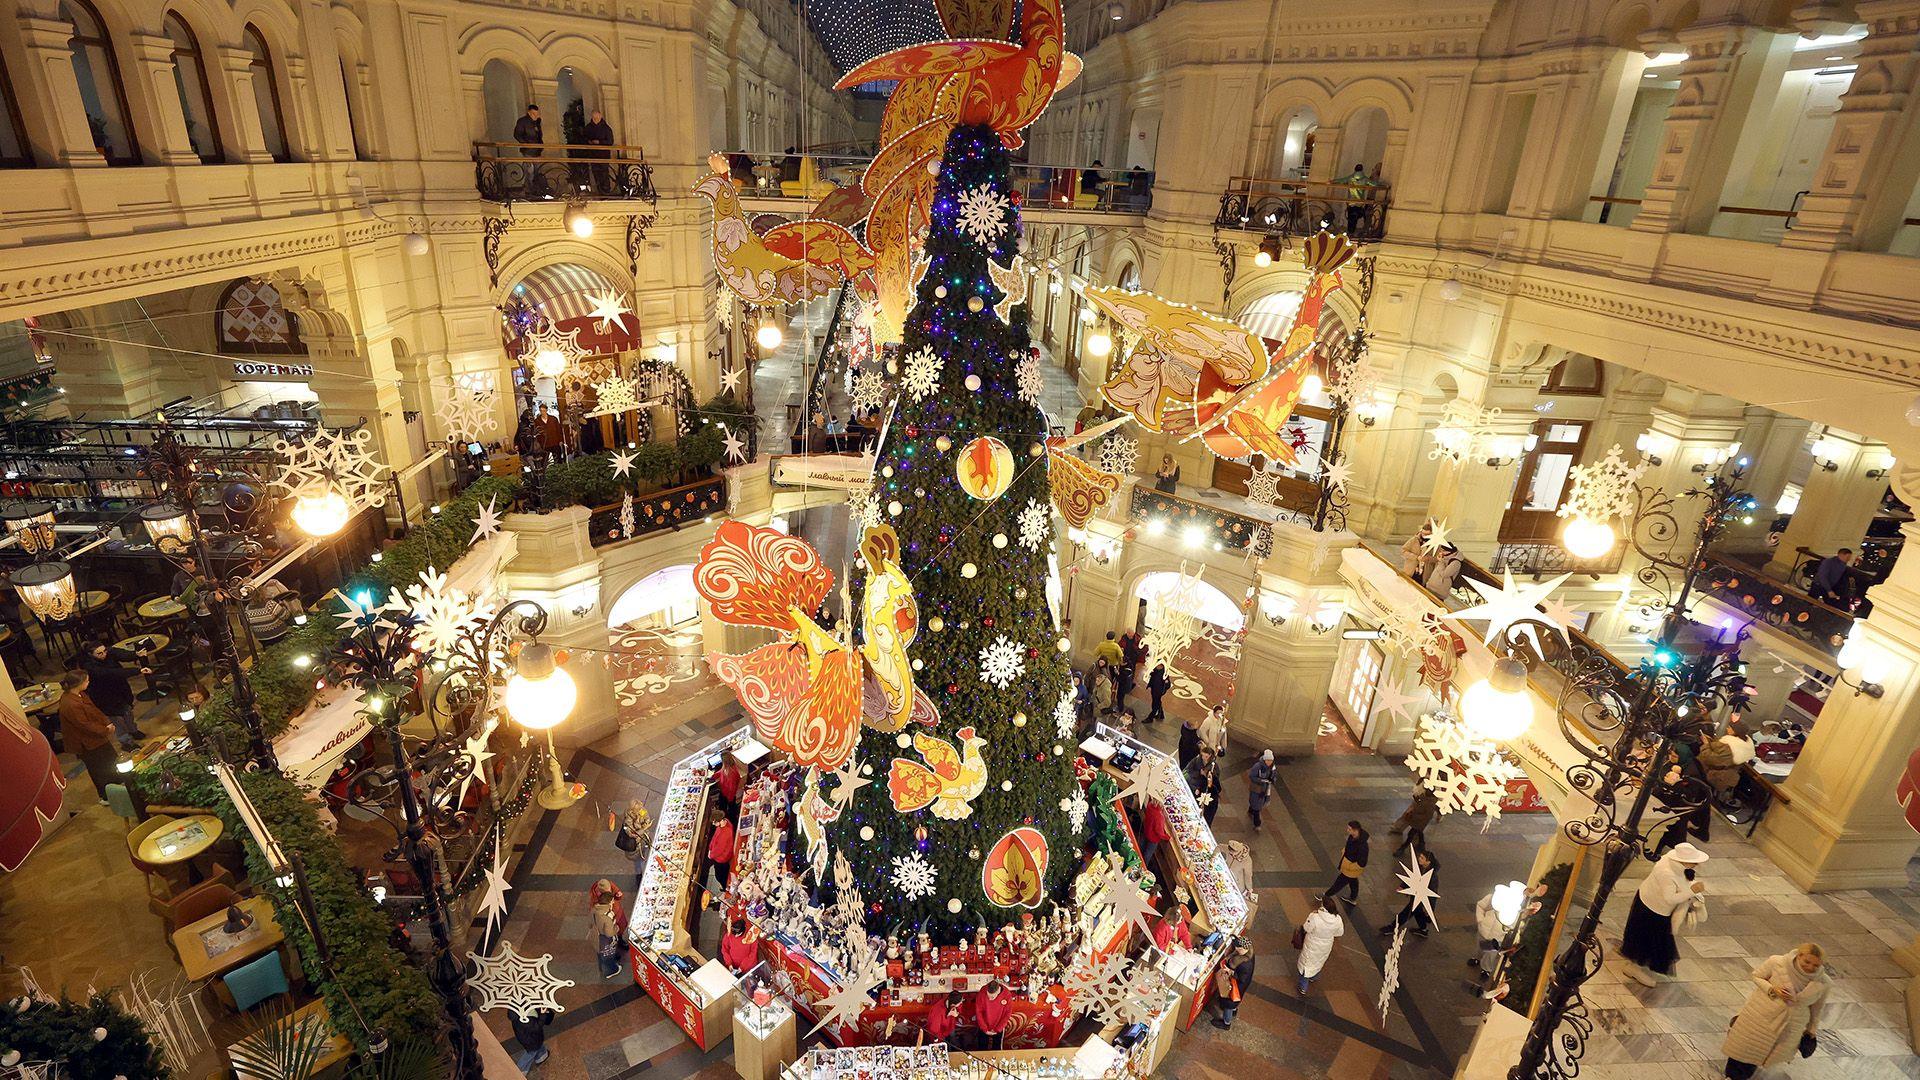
(969, 570)
(953, 905)
(940, 291)
(1058, 750)
(866, 832)
(1063, 645)
(1006, 785)
(12, 1057)
(999, 540)
(905, 740)
(933, 167)
(888, 471)
(918, 663)
(894, 508)
(99, 1034)
(973, 382)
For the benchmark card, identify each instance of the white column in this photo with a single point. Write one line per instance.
(1702, 125)
(47, 77)
(1837, 504)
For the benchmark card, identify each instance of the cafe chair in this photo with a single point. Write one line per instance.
(120, 801)
(155, 875)
(254, 982)
(192, 905)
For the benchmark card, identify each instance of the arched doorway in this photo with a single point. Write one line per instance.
(564, 296)
(654, 641)
(1364, 142)
(1195, 629)
(505, 89)
(1293, 143)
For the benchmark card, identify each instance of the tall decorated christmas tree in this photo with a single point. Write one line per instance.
(977, 817)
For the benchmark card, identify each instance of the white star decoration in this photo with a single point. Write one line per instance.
(622, 462)
(493, 904)
(475, 755)
(1338, 473)
(1390, 973)
(1436, 537)
(736, 446)
(730, 379)
(606, 309)
(523, 985)
(1414, 884)
(844, 1006)
(1128, 901)
(1388, 698)
(486, 521)
(850, 781)
(1503, 605)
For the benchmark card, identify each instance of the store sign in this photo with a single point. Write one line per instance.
(261, 371)
(847, 472)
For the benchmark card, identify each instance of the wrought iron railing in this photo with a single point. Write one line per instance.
(1160, 511)
(1304, 207)
(513, 172)
(1542, 557)
(659, 511)
(1782, 607)
(1051, 187)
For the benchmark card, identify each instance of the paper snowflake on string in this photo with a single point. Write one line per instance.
(1036, 525)
(466, 412)
(1604, 490)
(333, 457)
(1263, 488)
(914, 876)
(871, 391)
(1147, 994)
(520, 984)
(1075, 807)
(1098, 983)
(1390, 974)
(1002, 662)
(493, 903)
(626, 514)
(1066, 715)
(441, 612)
(550, 338)
(922, 372)
(1413, 633)
(1027, 379)
(983, 214)
(1119, 454)
(1467, 774)
(616, 395)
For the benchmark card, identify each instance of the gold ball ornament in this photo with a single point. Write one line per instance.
(1019, 719)
(969, 570)
(984, 468)
(943, 444)
(936, 624)
(975, 303)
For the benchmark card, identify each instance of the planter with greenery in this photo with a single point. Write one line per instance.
(1530, 952)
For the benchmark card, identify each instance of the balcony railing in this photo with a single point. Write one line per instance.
(515, 172)
(1218, 526)
(1304, 207)
(1779, 606)
(810, 177)
(1542, 557)
(667, 509)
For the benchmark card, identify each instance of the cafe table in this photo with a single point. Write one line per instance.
(138, 643)
(185, 838)
(207, 950)
(161, 607)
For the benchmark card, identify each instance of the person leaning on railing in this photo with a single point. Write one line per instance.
(599, 133)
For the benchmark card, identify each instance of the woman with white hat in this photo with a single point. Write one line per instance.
(1668, 898)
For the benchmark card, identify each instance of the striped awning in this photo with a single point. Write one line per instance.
(1271, 315)
(563, 293)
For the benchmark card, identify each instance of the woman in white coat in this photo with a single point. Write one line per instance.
(1648, 946)
(1322, 926)
(1781, 1012)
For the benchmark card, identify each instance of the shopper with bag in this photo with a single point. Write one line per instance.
(1232, 981)
(1780, 1013)
(1669, 901)
(1314, 939)
(1353, 863)
(631, 837)
(604, 901)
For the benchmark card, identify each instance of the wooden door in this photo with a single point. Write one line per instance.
(1544, 478)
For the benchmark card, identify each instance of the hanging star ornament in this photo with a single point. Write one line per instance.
(730, 380)
(606, 309)
(493, 904)
(736, 446)
(475, 756)
(1338, 473)
(623, 462)
(850, 781)
(1415, 882)
(520, 984)
(486, 521)
(1129, 903)
(844, 1006)
(1503, 605)
(1388, 698)
(1436, 537)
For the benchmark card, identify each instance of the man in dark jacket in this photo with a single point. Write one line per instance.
(526, 132)
(599, 133)
(1415, 912)
(112, 691)
(86, 732)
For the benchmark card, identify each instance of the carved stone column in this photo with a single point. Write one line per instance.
(48, 78)
(245, 139)
(155, 97)
(1702, 124)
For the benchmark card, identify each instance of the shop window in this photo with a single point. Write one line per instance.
(266, 95)
(196, 95)
(252, 319)
(101, 92)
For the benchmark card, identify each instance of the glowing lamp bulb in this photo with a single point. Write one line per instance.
(320, 512)
(549, 363)
(541, 694)
(578, 223)
(1311, 386)
(1099, 343)
(1586, 538)
(768, 336)
(1263, 258)
(1499, 706)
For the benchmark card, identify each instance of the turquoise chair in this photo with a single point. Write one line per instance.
(120, 802)
(257, 980)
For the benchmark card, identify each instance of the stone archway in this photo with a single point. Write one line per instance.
(1196, 630)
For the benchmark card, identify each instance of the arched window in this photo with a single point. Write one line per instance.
(101, 93)
(13, 134)
(506, 96)
(350, 84)
(196, 96)
(266, 95)
(252, 319)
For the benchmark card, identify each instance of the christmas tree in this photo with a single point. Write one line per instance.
(962, 478)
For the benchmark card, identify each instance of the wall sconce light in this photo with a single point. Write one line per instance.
(1504, 450)
(1868, 664)
(1327, 616)
(1887, 462)
(1277, 607)
(1375, 408)
(1718, 456)
(1269, 251)
(1651, 446)
(1825, 451)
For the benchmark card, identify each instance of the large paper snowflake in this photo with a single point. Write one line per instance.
(550, 338)
(442, 612)
(1027, 378)
(1098, 983)
(983, 214)
(1119, 454)
(1002, 662)
(1147, 994)
(1466, 773)
(1604, 490)
(1263, 488)
(616, 395)
(466, 412)
(1075, 807)
(914, 876)
(333, 457)
(1036, 525)
(863, 506)
(507, 980)
(922, 372)
(1065, 715)
(871, 391)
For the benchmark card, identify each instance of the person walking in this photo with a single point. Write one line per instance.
(1203, 777)
(1781, 1013)
(727, 782)
(1158, 683)
(531, 1034)
(1102, 688)
(86, 732)
(1232, 982)
(1353, 862)
(1154, 829)
(1110, 650)
(1413, 912)
(1315, 936)
(603, 900)
(1672, 894)
(720, 847)
(1413, 821)
(1259, 786)
(110, 686)
(632, 837)
(1213, 730)
(1133, 659)
(1189, 747)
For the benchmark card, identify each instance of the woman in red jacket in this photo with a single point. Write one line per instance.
(1153, 830)
(992, 1008)
(740, 947)
(720, 848)
(1173, 927)
(940, 1019)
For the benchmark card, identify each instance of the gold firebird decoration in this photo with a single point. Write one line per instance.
(1193, 374)
(788, 263)
(1079, 490)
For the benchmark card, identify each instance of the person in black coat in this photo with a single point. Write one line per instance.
(1353, 859)
(526, 132)
(1158, 683)
(1238, 964)
(599, 133)
(112, 690)
(1203, 778)
(532, 1036)
(1412, 911)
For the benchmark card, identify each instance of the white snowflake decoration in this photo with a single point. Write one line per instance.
(1036, 525)
(1119, 454)
(914, 876)
(1147, 994)
(1002, 662)
(1066, 715)
(466, 412)
(863, 507)
(983, 214)
(1263, 488)
(1413, 633)
(1466, 773)
(337, 458)
(441, 612)
(549, 336)
(871, 391)
(616, 395)
(1027, 378)
(507, 980)
(923, 372)
(1390, 974)
(1099, 983)
(1075, 807)
(1604, 490)
(626, 514)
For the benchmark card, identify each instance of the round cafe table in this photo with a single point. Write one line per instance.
(92, 598)
(180, 841)
(40, 697)
(152, 643)
(161, 607)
